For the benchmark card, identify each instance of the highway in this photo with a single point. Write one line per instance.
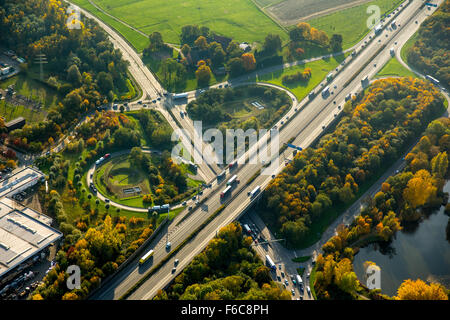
(305, 125)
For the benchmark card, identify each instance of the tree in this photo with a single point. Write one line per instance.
(420, 189)
(105, 82)
(156, 42)
(217, 54)
(336, 42)
(74, 75)
(235, 67)
(419, 290)
(272, 44)
(248, 61)
(203, 73)
(201, 43)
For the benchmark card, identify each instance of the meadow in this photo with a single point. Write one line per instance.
(241, 20)
(393, 68)
(351, 23)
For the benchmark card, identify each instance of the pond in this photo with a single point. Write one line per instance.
(421, 250)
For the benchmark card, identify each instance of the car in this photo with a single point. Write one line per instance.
(282, 122)
(339, 107)
(159, 99)
(308, 274)
(308, 290)
(395, 42)
(194, 198)
(145, 105)
(273, 176)
(226, 86)
(279, 266)
(168, 245)
(184, 203)
(200, 192)
(375, 65)
(190, 208)
(397, 171)
(417, 22)
(278, 278)
(106, 200)
(175, 263)
(334, 102)
(154, 101)
(335, 86)
(337, 69)
(295, 109)
(282, 274)
(139, 102)
(174, 269)
(286, 282)
(287, 117)
(293, 292)
(323, 127)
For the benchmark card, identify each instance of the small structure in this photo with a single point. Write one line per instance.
(245, 46)
(17, 123)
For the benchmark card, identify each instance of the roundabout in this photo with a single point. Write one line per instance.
(135, 180)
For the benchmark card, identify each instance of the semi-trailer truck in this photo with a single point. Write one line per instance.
(270, 263)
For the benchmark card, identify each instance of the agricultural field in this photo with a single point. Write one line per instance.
(241, 20)
(351, 23)
(289, 12)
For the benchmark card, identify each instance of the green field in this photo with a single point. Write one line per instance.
(241, 20)
(351, 23)
(393, 68)
(10, 112)
(319, 70)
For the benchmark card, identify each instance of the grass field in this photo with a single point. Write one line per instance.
(393, 68)
(320, 69)
(137, 40)
(351, 23)
(407, 45)
(239, 19)
(10, 112)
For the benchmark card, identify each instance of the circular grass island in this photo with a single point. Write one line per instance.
(142, 180)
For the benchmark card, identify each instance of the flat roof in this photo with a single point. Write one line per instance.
(21, 237)
(18, 179)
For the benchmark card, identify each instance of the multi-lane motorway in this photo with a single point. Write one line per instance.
(304, 122)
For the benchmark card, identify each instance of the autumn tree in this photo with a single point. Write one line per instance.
(419, 290)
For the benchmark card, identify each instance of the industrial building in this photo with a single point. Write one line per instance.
(25, 234)
(17, 123)
(20, 181)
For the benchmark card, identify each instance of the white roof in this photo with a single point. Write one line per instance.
(18, 179)
(21, 237)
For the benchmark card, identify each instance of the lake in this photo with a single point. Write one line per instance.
(420, 250)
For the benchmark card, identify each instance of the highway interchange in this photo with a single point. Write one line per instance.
(305, 122)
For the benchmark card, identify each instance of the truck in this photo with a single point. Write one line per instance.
(221, 175)
(225, 192)
(432, 80)
(270, 263)
(378, 30)
(232, 180)
(255, 191)
(165, 207)
(247, 229)
(392, 51)
(365, 82)
(232, 165)
(154, 208)
(180, 96)
(146, 256)
(299, 280)
(325, 92)
(329, 77)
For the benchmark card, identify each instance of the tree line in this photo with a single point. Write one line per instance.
(83, 65)
(430, 51)
(371, 134)
(403, 197)
(227, 269)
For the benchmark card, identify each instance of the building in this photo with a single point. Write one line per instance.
(20, 181)
(17, 123)
(245, 47)
(25, 236)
